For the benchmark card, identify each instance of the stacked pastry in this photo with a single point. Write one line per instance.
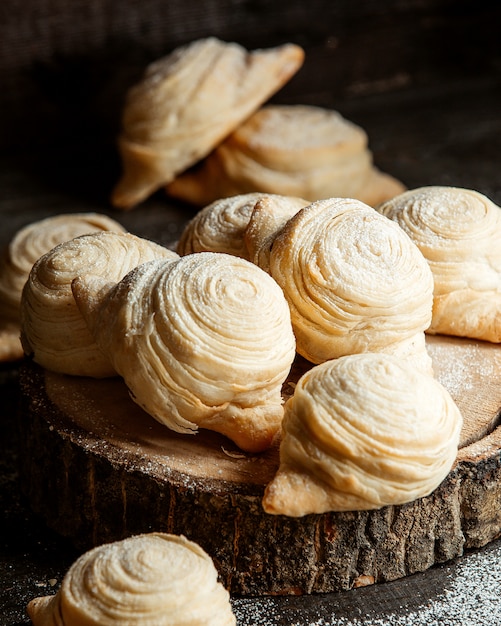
(202, 341)
(18, 257)
(293, 150)
(187, 102)
(353, 280)
(196, 125)
(206, 338)
(368, 425)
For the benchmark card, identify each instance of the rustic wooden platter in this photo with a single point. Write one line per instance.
(98, 468)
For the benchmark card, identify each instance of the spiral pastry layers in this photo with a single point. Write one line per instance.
(187, 102)
(154, 579)
(459, 233)
(354, 281)
(242, 225)
(292, 150)
(361, 432)
(205, 341)
(26, 247)
(53, 331)
(219, 227)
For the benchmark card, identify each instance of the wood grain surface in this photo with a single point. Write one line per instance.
(97, 469)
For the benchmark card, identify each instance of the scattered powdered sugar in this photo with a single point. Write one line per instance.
(470, 596)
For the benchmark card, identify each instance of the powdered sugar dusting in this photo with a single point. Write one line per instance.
(471, 596)
(463, 363)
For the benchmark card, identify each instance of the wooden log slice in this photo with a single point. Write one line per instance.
(97, 468)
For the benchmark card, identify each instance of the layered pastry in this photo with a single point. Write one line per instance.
(292, 150)
(354, 282)
(219, 227)
(187, 102)
(53, 332)
(270, 214)
(459, 233)
(155, 579)
(204, 341)
(18, 257)
(190, 436)
(362, 432)
(240, 225)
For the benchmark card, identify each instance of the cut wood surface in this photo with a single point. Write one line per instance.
(98, 468)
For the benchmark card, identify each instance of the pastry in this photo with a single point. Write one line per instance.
(362, 432)
(354, 282)
(53, 332)
(238, 225)
(219, 227)
(459, 233)
(290, 150)
(187, 103)
(269, 216)
(26, 247)
(205, 341)
(96, 467)
(154, 579)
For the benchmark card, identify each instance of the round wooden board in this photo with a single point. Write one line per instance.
(98, 468)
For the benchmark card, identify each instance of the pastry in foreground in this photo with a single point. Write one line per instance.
(53, 332)
(204, 341)
(459, 233)
(354, 282)
(155, 579)
(362, 432)
(187, 103)
(24, 249)
(291, 150)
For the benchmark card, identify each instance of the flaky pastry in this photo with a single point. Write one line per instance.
(205, 341)
(270, 214)
(291, 150)
(26, 247)
(362, 432)
(219, 227)
(187, 103)
(53, 331)
(154, 579)
(354, 282)
(459, 233)
(240, 225)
